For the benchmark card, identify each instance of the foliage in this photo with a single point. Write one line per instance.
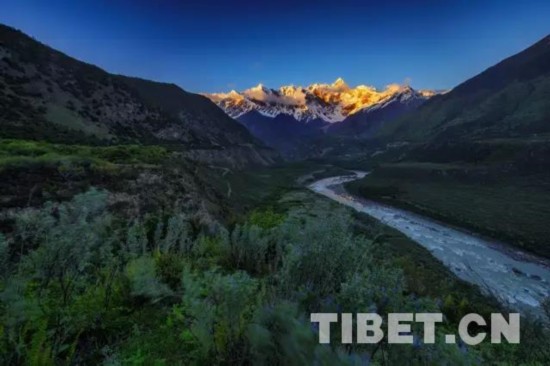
(505, 207)
(279, 335)
(266, 219)
(322, 243)
(254, 249)
(64, 252)
(141, 273)
(27, 153)
(81, 286)
(4, 254)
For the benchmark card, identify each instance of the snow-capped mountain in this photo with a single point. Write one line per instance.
(290, 117)
(328, 102)
(369, 119)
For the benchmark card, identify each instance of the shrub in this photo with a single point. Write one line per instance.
(4, 256)
(62, 247)
(323, 254)
(280, 335)
(214, 314)
(32, 154)
(144, 282)
(177, 236)
(249, 245)
(210, 251)
(169, 268)
(267, 219)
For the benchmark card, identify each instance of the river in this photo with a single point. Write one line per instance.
(519, 280)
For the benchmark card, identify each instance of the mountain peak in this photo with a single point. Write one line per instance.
(398, 88)
(340, 84)
(260, 86)
(329, 102)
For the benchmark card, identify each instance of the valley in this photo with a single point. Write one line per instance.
(518, 280)
(291, 118)
(141, 223)
(507, 207)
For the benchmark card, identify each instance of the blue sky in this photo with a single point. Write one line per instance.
(207, 46)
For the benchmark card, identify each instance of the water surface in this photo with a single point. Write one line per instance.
(517, 279)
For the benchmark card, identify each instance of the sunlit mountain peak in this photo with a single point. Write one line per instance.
(340, 84)
(329, 102)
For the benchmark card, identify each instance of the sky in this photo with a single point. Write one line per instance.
(214, 46)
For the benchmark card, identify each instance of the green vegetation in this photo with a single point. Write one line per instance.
(509, 99)
(87, 280)
(265, 219)
(69, 119)
(33, 154)
(476, 157)
(46, 95)
(135, 254)
(80, 286)
(514, 209)
(140, 178)
(32, 172)
(264, 186)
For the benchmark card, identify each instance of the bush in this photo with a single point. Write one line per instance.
(280, 335)
(61, 251)
(79, 286)
(144, 282)
(323, 254)
(28, 154)
(213, 315)
(267, 219)
(249, 247)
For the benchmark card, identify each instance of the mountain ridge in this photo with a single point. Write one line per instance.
(368, 120)
(48, 95)
(329, 102)
(507, 99)
(288, 118)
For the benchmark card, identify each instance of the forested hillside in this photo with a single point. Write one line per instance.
(47, 95)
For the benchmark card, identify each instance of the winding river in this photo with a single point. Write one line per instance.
(519, 280)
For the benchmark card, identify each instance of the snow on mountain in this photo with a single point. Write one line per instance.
(329, 102)
(400, 94)
(397, 101)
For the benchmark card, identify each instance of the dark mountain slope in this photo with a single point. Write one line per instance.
(50, 96)
(196, 111)
(368, 121)
(510, 99)
(283, 132)
(476, 157)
